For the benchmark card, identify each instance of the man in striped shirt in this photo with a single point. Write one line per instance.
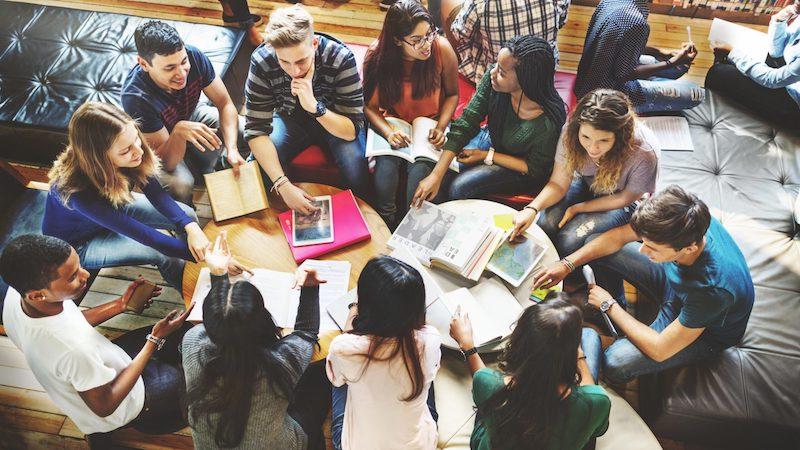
(304, 89)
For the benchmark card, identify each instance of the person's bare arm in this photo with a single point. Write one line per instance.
(228, 120)
(449, 90)
(171, 147)
(583, 369)
(267, 156)
(99, 314)
(604, 203)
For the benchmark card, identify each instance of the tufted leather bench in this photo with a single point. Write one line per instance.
(749, 174)
(54, 59)
(314, 165)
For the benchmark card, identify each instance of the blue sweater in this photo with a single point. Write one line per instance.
(88, 213)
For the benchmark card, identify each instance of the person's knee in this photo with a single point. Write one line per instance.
(180, 184)
(188, 210)
(619, 362)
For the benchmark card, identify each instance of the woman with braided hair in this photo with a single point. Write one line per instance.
(614, 159)
(514, 153)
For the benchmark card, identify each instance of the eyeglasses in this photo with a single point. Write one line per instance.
(418, 42)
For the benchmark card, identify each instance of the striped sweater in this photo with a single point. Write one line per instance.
(336, 83)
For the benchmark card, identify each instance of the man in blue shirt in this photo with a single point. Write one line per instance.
(163, 92)
(689, 261)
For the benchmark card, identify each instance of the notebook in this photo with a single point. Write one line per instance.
(233, 197)
(349, 227)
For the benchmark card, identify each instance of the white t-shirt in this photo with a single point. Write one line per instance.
(376, 415)
(67, 355)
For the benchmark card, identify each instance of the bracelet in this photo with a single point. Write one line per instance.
(569, 265)
(535, 210)
(278, 182)
(159, 342)
(582, 357)
(277, 186)
(350, 306)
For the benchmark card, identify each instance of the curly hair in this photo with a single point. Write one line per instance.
(606, 110)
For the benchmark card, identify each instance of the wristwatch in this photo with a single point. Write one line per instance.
(158, 341)
(321, 110)
(489, 157)
(467, 353)
(607, 304)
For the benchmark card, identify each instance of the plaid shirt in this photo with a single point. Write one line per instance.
(268, 90)
(483, 26)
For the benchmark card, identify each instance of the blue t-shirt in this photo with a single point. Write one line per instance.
(156, 108)
(716, 291)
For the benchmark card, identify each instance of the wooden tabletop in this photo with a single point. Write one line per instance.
(257, 240)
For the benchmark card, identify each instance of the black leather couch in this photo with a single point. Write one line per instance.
(54, 59)
(748, 173)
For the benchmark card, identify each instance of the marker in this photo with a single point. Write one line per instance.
(689, 32)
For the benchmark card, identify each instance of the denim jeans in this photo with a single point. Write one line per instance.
(111, 249)
(291, 135)
(196, 163)
(665, 92)
(623, 361)
(574, 233)
(593, 350)
(339, 402)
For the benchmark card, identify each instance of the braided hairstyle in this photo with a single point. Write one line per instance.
(606, 110)
(535, 68)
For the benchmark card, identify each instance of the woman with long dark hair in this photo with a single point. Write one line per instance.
(615, 158)
(515, 152)
(543, 396)
(383, 367)
(409, 72)
(243, 380)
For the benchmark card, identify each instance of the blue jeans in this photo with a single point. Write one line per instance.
(111, 249)
(293, 134)
(664, 92)
(593, 349)
(339, 402)
(623, 360)
(574, 233)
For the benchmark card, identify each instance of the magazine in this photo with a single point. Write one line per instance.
(420, 147)
(435, 237)
(513, 261)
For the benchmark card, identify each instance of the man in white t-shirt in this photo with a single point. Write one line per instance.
(91, 379)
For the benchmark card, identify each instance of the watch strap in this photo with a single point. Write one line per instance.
(159, 342)
(489, 160)
(470, 352)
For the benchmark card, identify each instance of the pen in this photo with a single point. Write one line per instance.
(689, 32)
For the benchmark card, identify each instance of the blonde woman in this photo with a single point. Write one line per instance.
(605, 161)
(91, 204)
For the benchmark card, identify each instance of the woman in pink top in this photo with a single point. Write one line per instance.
(382, 369)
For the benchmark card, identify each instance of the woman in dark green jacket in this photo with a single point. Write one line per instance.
(515, 152)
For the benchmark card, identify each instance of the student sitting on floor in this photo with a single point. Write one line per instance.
(771, 88)
(689, 261)
(409, 72)
(515, 152)
(136, 380)
(616, 56)
(91, 204)
(615, 158)
(247, 386)
(162, 93)
(304, 89)
(383, 367)
(544, 396)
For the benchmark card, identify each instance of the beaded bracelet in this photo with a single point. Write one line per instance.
(569, 265)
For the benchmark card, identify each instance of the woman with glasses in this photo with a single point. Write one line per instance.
(515, 152)
(409, 72)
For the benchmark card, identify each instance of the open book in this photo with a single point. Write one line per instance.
(231, 197)
(461, 244)
(492, 310)
(420, 147)
(276, 289)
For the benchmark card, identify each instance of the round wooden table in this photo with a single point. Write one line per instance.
(257, 240)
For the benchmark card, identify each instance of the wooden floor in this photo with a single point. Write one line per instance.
(29, 419)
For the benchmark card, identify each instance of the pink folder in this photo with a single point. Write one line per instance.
(349, 227)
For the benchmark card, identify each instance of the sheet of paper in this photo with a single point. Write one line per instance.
(337, 277)
(498, 304)
(753, 41)
(672, 132)
(504, 221)
(275, 287)
(337, 310)
(484, 327)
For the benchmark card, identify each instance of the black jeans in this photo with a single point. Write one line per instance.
(774, 105)
(241, 13)
(309, 407)
(164, 409)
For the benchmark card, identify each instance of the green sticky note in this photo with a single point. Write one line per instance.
(538, 295)
(504, 221)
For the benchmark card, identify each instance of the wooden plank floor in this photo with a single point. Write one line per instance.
(29, 419)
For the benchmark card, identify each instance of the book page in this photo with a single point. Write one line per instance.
(513, 261)
(462, 240)
(275, 287)
(231, 197)
(422, 230)
(422, 148)
(338, 311)
(378, 146)
(754, 42)
(337, 277)
(484, 328)
(498, 304)
(672, 132)
(432, 289)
